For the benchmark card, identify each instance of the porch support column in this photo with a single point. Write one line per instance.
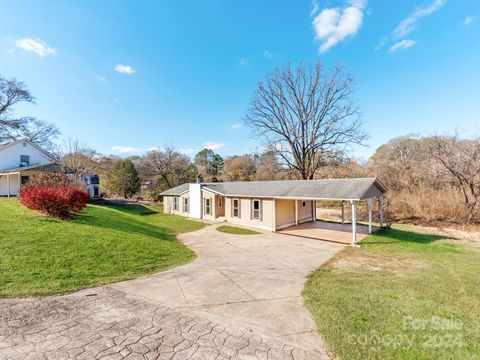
(19, 184)
(343, 212)
(296, 212)
(8, 185)
(314, 210)
(380, 203)
(370, 208)
(354, 224)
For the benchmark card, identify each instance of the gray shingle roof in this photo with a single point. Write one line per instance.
(334, 189)
(177, 190)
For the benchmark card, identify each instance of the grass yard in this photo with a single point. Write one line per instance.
(236, 230)
(102, 244)
(401, 295)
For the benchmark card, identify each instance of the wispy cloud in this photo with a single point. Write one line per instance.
(125, 69)
(214, 145)
(243, 61)
(236, 126)
(187, 150)
(333, 25)
(407, 25)
(36, 46)
(99, 77)
(468, 20)
(269, 54)
(125, 149)
(402, 45)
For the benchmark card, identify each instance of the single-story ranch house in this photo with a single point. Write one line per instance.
(271, 205)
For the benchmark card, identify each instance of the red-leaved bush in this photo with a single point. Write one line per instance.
(56, 198)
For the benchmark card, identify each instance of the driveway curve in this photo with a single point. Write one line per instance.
(251, 282)
(240, 299)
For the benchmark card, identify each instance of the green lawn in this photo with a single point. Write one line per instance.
(102, 244)
(401, 295)
(236, 230)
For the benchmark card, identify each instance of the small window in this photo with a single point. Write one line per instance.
(24, 160)
(235, 208)
(175, 203)
(185, 204)
(207, 206)
(256, 209)
(304, 203)
(220, 202)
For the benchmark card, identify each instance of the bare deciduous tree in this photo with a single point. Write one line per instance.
(13, 92)
(461, 158)
(167, 168)
(305, 114)
(78, 157)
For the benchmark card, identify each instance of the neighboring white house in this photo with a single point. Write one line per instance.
(271, 205)
(18, 161)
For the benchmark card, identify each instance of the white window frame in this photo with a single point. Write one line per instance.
(238, 208)
(185, 204)
(175, 203)
(259, 210)
(208, 206)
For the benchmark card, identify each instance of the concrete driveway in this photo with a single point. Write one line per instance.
(251, 282)
(240, 299)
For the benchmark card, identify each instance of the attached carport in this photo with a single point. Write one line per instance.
(345, 191)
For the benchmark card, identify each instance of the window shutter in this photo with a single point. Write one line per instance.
(251, 209)
(239, 208)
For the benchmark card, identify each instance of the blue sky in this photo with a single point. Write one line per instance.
(126, 76)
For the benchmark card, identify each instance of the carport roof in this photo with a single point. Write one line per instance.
(327, 189)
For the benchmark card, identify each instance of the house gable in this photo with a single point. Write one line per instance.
(11, 155)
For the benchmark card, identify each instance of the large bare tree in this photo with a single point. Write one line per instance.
(12, 127)
(307, 115)
(166, 168)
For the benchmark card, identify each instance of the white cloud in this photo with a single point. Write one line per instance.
(314, 8)
(468, 20)
(187, 150)
(213, 145)
(243, 61)
(125, 149)
(36, 46)
(408, 24)
(333, 25)
(402, 45)
(268, 54)
(125, 69)
(236, 126)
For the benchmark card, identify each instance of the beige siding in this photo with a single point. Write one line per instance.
(285, 213)
(168, 205)
(305, 212)
(245, 218)
(211, 197)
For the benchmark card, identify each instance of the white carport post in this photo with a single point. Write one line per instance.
(370, 208)
(354, 223)
(343, 212)
(380, 203)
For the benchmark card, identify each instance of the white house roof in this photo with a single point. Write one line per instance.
(327, 189)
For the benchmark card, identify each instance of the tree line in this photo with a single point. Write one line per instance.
(308, 119)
